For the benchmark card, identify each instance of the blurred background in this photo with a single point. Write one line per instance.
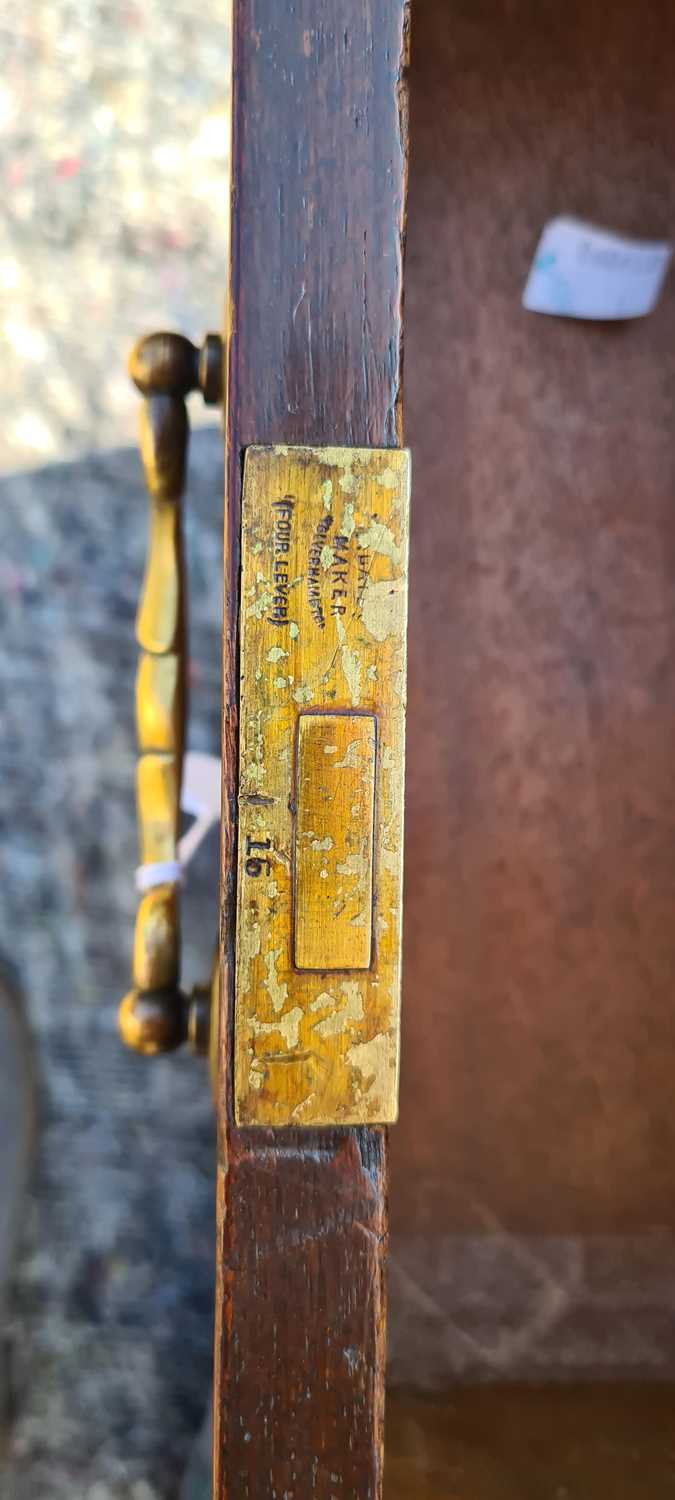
(114, 122)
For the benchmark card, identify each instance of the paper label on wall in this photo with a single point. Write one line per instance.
(580, 271)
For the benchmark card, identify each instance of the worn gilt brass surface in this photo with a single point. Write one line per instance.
(155, 1015)
(333, 843)
(322, 718)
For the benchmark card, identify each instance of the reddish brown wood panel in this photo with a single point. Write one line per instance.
(538, 1057)
(318, 167)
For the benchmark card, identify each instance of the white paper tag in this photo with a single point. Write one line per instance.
(200, 798)
(582, 272)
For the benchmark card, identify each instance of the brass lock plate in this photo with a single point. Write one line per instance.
(322, 724)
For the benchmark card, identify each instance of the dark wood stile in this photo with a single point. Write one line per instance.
(314, 356)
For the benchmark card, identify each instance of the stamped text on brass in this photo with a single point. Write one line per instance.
(322, 701)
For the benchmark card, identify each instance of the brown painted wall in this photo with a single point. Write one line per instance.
(538, 1098)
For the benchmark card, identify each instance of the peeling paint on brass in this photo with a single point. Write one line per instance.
(323, 654)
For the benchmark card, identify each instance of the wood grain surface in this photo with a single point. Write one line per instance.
(315, 329)
(514, 1442)
(537, 1102)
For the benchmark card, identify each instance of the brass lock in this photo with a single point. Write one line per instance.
(156, 1016)
(324, 566)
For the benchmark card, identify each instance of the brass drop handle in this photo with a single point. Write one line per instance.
(156, 1016)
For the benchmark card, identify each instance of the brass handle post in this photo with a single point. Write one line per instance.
(156, 1016)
